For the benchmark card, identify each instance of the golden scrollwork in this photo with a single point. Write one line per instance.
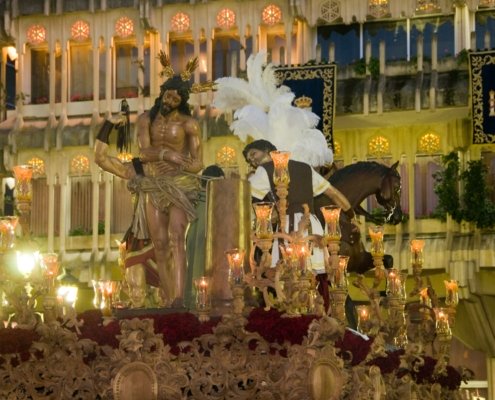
(231, 362)
(477, 62)
(327, 74)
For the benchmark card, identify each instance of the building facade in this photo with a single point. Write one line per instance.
(402, 93)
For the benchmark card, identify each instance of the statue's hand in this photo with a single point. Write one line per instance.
(117, 119)
(177, 158)
(165, 168)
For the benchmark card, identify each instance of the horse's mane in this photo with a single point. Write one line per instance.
(360, 167)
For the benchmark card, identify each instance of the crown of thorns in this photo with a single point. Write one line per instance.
(168, 72)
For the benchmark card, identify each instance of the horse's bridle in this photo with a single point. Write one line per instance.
(391, 203)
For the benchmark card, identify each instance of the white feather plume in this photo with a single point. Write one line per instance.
(233, 94)
(264, 110)
(251, 121)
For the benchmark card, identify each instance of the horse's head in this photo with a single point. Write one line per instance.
(388, 196)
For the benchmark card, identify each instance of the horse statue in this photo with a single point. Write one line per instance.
(357, 182)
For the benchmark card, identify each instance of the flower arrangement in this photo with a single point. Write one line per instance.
(79, 97)
(40, 100)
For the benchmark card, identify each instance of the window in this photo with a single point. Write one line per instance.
(345, 39)
(81, 77)
(485, 30)
(40, 78)
(126, 70)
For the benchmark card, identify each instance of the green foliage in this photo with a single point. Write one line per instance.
(101, 227)
(447, 189)
(474, 204)
(373, 67)
(360, 67)
(80, 231)
(478, 207)
(462, 57)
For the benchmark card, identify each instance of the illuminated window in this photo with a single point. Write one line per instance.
(487, 3)
(80, 31)
(271, 14)
(124, 157)
(79, 165)
(38, 166)
(226, 18)
(378, 8)
(337, 149)
(180, 22)
(425, 6)
(429, 143)
(378, 147)
(36, 34)
(124, 27)
(330, 10)
(226, 156)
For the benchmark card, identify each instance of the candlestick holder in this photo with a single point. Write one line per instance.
(235, 259)
(23, 196)
(377, 252)
(203, 298)
(417, 247)
(281, 179)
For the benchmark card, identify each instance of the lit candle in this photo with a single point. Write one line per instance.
(23, 175)
(235, 258)
(263, 212)
(202, 287)
(7, 232)
(424, 297)
(392, 287)
(376, 236)
(340, 279)
(452, 293)
(50, 266)
(331, 214)
(280, 162)
(303, 253)
(363, 314)
(289, 255)
(442, 322)
(417, 247)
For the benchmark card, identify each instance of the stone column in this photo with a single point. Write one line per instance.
(462, 29)
(140, 74)
(109, 76)
(367, 85)
(419, 76)
(382, 78)
(50, 181)
(209, 55)
(288, 44)
(64, 210)
(434, 71)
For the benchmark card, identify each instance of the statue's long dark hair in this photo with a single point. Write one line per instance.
(183, 89)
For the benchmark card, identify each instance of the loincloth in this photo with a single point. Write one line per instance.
(164, 191)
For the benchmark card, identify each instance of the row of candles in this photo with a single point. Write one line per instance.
(35, 275)
(396, 288)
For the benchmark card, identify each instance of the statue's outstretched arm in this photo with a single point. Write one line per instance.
(104, 160)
